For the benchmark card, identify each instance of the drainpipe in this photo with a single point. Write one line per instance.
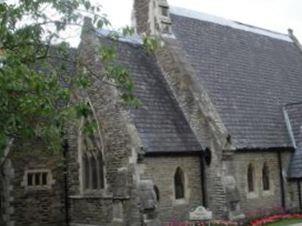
(299, 193)
(283, 204)
(289, 127)
(66, 201)
(288, 124)
(292, 137)
(203, 180)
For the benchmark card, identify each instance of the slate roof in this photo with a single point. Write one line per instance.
(161, 124)
(66, 68)
(249, 75)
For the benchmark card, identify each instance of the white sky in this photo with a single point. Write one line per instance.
(276, 15)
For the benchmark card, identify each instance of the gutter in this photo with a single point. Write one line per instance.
(291, 134)
(203, 180)
(283, 204)
(299, 193)
(299, 46)
(170, 153)
(289, 126)
(290, 131)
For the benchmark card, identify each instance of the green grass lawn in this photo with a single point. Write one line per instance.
(285, 222)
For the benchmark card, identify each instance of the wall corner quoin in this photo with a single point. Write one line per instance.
(7, 189)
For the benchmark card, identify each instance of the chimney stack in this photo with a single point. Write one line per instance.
(151, 17)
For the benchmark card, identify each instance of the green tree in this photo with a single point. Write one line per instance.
(35, 100)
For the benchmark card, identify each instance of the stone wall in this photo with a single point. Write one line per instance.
(253, 203)
(1, 200)
(35, 206)
(161, 170)
(201, 115)
(197, 107)
(291, 187)
(6, 180)
(118, 200)
(91, 210)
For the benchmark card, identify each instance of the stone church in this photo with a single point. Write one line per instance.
(219, 127)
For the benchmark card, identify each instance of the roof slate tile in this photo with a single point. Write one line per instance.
(160, 122)
(249, 78)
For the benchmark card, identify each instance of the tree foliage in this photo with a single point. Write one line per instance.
(35, 100)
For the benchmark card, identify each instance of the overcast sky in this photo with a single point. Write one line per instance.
(276, 15)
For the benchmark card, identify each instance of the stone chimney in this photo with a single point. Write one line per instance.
(151, 17)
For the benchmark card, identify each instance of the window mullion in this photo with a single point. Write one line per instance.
(90, 172)
(98, 172)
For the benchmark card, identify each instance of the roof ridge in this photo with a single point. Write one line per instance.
(293, 104)
(227, 22)
(261, 28)
(133, 39)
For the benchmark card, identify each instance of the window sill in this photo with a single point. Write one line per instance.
(178, 202)
(90, 197)
(267, 192)
(101, 194)
(37, 188)
(252, 195)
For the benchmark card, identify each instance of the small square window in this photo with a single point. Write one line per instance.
(37, 178)
(44, 178)
(30, 179)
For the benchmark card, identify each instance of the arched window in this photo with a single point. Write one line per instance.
(179, 184)
(94, 172)
(265, 177)
(100, 170)
(93, 169)
(250, 178)
(86, 173)
(93, 175)
(156, 190)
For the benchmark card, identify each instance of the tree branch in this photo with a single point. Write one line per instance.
(7, 152)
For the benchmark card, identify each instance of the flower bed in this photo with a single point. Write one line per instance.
(258, 217)
(202, 223)
(275, 218)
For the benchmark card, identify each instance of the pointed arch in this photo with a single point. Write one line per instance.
(94, 173)
(179, 184)
(156, 190)
(86, 171)
(91, 154)
(250, 178)
(265, 177)
(101, 171)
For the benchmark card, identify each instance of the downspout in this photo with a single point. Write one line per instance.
(283, 204)
(291, 134)
(66, 191)
(299, 193)
(289, 128)
(299, 46)
(203, 180)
